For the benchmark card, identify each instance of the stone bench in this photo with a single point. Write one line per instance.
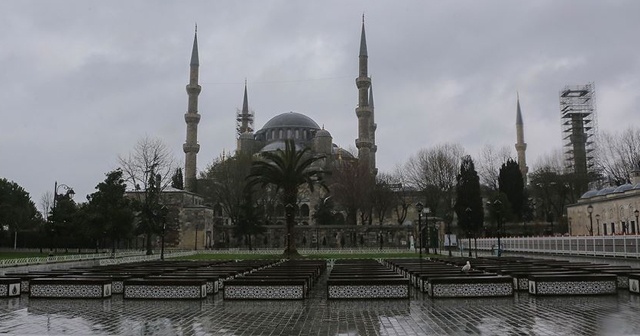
(211, 281)
(117, 280)
(572, 284)
(622, 274)
(521, 278)
(70, 288)
(10, 287)
(256, 288)
(422, 279)
(158, 288)
(25, 279)
(368, 288)
(470, 286)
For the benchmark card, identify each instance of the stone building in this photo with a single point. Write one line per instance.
(189, 220)
(607, 211)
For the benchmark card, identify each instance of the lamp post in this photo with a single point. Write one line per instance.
(637, 213)
(590, 212)
(497, 203)
(598, 223)
(419, 207)
(468, 211)
(164, 229)
(68, 193)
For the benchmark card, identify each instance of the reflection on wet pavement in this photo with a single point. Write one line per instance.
(518, 315)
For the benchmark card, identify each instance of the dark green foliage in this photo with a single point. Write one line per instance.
(250, 220)
(287, 171)
(469, 208)
(324, 213)
(17, 211)
(109, 211)
(511, 184)
(177, 180)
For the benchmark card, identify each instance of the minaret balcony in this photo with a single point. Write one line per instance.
(363, 82)
(363, 143)
(191, 148)
(192, 118)
(363, 112)
(194, 89)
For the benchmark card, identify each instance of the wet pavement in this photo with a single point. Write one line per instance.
(518, 315)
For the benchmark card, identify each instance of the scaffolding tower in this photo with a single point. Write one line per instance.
(244, 122)
(578, 110)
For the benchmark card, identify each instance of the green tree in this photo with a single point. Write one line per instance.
(288, 171)
(177, 181)
(112, 211)
(62, 225)
(250, 221)
(511, 184)
(469, 208)
(17, 210)
(323, 214)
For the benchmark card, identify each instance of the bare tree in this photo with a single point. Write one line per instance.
(489, 163)
(382, 196)
(618, 154)
(551, 162)
(351, 185)
(46, 201)
(149, 156)
(402, 193)
(434, 171)
(148, 169)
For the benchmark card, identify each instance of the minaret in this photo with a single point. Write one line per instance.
(374, 126)
(521, 146)
(191, 146)
(364, 142)
(245, 126)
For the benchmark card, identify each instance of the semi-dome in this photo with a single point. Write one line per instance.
(323, 133)
(623, 188)
(291, 120)
(605, 191)
(589, 194)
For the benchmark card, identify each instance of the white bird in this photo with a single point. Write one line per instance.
(466, 267)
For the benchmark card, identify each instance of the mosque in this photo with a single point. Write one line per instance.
(203, 223)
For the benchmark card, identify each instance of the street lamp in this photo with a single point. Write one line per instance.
(637, 213)
(468, 211)
(164, 229)
(419, 207)
(68, 194)
(497, 203)
(590, 211)
(598, 223)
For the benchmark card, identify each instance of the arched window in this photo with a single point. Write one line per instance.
(280, 134)
(297, 134)
(304, 210)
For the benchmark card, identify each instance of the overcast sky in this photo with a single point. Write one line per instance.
(82, 81)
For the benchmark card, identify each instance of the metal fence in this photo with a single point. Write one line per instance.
(626, 246)
(64, 258)
(307, 251)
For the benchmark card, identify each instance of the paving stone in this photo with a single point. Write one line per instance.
(518, 315)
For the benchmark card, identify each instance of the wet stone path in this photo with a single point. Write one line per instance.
(518, 315)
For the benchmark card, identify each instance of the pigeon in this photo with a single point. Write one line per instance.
(466, 267)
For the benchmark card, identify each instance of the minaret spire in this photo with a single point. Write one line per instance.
(521, 146)
(192, 118)
(364, 111)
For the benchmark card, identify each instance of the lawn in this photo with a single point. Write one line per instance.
(18, 255)
(245, 256)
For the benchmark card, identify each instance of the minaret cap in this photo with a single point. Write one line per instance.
(245, 102)
(363, 40)
(519, 113)
(194, 53)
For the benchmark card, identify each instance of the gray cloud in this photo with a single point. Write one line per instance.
(82, 81)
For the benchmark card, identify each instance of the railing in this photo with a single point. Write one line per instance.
(627, 246)
(132, 259)
(306, 251)
(64, 258)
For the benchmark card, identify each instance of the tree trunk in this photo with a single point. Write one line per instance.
(148, 241)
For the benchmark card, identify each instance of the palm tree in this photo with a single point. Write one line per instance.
(287, 170)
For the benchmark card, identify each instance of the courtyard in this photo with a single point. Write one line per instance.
(521, 314)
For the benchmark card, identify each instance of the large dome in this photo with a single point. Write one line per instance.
(291, 120)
